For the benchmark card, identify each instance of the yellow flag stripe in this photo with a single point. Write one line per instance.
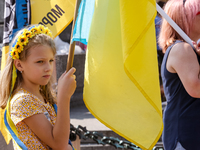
(121, 85)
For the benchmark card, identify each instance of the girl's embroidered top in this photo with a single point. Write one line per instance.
(23, 105)
(25, 36)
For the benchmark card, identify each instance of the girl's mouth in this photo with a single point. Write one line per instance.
(46, 76)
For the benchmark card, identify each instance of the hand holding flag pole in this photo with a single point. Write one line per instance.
(174, 25)
(72, 44)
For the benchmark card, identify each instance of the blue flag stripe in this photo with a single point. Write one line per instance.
(83, 21)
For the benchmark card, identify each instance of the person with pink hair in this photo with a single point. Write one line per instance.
(180, 73)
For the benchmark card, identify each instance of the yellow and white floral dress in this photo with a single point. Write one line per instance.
(24, 104)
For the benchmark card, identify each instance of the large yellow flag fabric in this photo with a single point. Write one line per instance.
(55, 14)
(121, 86)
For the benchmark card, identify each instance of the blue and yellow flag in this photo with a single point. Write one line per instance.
(121, 83)
(16, 16)
(55, 14)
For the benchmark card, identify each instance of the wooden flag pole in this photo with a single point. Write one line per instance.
(70, 61)
(72, 45)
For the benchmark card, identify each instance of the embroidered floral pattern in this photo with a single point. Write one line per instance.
(25, 106)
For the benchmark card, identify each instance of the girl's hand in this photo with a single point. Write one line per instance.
(197, 47)
(67, 84)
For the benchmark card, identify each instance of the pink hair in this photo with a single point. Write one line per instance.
(183, 15)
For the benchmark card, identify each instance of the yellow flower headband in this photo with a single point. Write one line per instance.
(25, 36)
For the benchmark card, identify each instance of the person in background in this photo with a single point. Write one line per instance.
(158, 21)
(180, 75)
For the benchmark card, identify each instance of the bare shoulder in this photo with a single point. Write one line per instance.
(180, 54)
(182, 50)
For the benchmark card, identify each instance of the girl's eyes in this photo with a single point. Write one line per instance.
(40, 61)
(51, 60)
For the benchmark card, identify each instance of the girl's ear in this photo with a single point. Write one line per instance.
(18, 64)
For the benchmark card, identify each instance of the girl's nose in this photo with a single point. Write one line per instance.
(48, 67)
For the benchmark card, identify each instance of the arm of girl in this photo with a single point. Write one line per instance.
(56, 136)
(183, 61)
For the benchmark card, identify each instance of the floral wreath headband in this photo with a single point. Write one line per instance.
(25, 36)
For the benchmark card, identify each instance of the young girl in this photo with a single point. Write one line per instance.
(30, 99)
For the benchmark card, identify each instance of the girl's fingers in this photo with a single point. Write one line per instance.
(74, 76)
(195, 45)
(198, 42)
(71, 71)
(198, 45)
(63, 74)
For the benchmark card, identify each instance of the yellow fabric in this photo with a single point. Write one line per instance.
(10, 122)
(16, 146)
(3, 129)
(5, 51)
(121, 85)
(41, 11)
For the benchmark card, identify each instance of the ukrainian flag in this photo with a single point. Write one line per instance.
(121, 83)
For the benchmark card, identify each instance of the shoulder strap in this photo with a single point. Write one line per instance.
(55, 107)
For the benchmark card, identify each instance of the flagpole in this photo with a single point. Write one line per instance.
(72, 45)
(174, 25)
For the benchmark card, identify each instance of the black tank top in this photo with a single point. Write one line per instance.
(182, 115)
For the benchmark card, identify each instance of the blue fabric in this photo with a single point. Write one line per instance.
(83, 21)
(70, 143)
(55, 108)
(158, 21)
(21, 16)
(182, 114)
(17, 140)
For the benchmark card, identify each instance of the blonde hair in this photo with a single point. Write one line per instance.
(183, 14)
(6, 74)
